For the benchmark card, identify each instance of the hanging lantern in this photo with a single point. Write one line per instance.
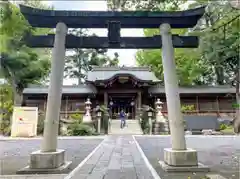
(111, 103)
(132, 103)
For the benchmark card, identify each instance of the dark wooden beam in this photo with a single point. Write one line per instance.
(99, 19)
(47, 41)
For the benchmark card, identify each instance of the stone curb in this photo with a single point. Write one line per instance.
(60, 138)
(192, 136)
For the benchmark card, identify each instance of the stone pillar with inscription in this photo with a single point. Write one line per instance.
(50, 159)
(177, 158)
(139, 96)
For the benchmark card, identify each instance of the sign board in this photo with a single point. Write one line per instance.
(24, 122)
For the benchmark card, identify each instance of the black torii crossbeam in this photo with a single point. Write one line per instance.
(72, 41)
(114, 21)
(99, 19)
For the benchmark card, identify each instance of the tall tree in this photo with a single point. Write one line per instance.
(82, 60)
(20, 65)
(153, 5)
(220, 46)
(191, 70)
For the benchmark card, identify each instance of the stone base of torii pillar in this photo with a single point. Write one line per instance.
(179, 157)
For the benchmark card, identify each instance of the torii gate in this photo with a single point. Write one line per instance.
(179, 157)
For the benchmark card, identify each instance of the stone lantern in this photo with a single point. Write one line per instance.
(159, 104)
(99, 115)
(87, 117)
(159, 116)
(150, 115)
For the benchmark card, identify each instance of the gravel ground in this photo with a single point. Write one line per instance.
(220, 153)
(14, 154)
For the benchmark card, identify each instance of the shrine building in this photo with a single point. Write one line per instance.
(129, 88)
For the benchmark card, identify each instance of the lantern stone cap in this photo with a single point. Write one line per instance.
(88, 102)
(159, 101)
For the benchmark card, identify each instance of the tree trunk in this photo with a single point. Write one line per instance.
(237, 118)
(17, 97)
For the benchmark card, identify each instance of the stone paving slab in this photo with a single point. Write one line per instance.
(77, 149)
(117, 158)
(4, 138)
(33, 176)
(220, 153)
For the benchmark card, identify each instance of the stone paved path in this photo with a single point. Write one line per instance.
(117, 158)
(12, 150)
(220, 153)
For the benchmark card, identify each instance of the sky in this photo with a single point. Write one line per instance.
(126, 56)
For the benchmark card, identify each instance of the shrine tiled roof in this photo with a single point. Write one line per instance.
(158, 89)
(90, 89)
(78, 89)
(107, 73)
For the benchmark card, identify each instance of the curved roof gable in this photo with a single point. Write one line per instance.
(107, 73)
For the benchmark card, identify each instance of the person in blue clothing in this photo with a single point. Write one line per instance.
(122, 118)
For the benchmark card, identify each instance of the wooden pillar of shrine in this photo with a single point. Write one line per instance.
(105, 99)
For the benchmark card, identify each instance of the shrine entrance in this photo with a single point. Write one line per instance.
(123, 102)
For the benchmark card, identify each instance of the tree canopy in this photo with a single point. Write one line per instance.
(21, 65)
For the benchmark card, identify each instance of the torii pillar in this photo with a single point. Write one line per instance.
(179, 157)
(50, 159)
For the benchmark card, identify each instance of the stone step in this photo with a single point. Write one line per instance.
(132, 127)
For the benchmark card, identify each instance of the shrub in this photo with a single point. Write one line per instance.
(144, 120)
(80, 130)
(6, 108)
(40, 125)
(77, 117)
(5, 127)
(223, 126)
(187, 108)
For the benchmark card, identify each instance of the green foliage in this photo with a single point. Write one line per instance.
(223, 126)
(6, 109)
(77, 117)
(153, 5)
(40, 125)
(21, 65)
(144, 120)
(187, 108)
(13, 26)
(76, 129)
(189, 68)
